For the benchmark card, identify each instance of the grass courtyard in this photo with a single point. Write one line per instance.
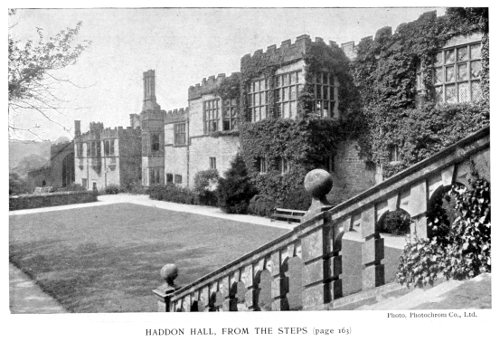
(107, 258)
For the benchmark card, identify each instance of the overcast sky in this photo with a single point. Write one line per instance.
(182, 45)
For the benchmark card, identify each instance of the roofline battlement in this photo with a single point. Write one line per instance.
(176, 115)
(208, 85)
(287, 50)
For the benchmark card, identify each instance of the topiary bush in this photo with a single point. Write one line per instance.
(235, 189)
(205, 185)
(464, 252)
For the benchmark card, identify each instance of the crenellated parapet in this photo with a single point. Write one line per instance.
(176, 115)
(285, 53)
(208, 85)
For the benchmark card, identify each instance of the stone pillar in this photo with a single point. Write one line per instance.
(417, 208)
(165, 292)
(316, 247)
(372, 250)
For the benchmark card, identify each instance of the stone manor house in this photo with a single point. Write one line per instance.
(172, 146)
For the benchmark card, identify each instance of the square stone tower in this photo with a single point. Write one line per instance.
(153, 138)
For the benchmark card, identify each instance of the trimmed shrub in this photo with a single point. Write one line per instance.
(51, 199)
(297, 200)
(112, 189)
(172, 193)
(17, 185)
(205, 185)
(395, 222)
(135, 187)
(235, 189)
(72, 187)
(261, 205)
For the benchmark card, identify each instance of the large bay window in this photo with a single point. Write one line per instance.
(229, 115)
(211, 110)
(258, 99)
(457, 74)
(286, 90)
(180, 133)
(325, 87)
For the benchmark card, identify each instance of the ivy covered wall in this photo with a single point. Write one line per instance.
(378, 102)
(385, 73)
(308, 141)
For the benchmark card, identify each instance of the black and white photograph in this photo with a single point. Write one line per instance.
(243, 172)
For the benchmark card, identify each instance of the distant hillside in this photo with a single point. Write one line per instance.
(29, 163)
(20, 150)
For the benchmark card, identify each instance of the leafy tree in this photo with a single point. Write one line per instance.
(235, 189)
(17, 185)
(31, 67)
(205, 185)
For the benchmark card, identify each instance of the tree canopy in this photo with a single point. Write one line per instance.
(31, 67)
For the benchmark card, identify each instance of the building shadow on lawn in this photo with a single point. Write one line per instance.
(94, 278)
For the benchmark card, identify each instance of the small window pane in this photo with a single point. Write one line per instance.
(293, 93)
(476, 91)
(325, 78)
(475, 69)
(293, 109)
(450, 74)
(286, 79)
(451, 94)
(463, 92)
(462, 54)
(286, 110)
(439, 94)
(332, 79)
(475, 51)
(439, 59)
(449, 56)
(325, 92)
(438, 75)
(462, 72)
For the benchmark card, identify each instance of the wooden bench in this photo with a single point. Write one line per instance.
(288, 215)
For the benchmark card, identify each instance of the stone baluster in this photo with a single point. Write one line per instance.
(372, 250)
(165, 291)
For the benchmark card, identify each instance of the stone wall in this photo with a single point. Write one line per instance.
(223, 148)
(352, 174)
(129, 162)
(176, 162)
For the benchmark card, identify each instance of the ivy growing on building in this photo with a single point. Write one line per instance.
(385, 72)
(303, 144)
(306, 141)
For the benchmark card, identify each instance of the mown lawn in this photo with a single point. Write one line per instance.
(107, 258)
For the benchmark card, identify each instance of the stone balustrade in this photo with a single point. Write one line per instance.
(302, 270)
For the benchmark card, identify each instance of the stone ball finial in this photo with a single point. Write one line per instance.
(169, 273)
(318, 183)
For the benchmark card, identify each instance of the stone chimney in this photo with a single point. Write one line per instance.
(135, 121)
(78, 130)
(149, 90)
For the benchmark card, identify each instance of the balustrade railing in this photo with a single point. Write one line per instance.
(302, 270)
